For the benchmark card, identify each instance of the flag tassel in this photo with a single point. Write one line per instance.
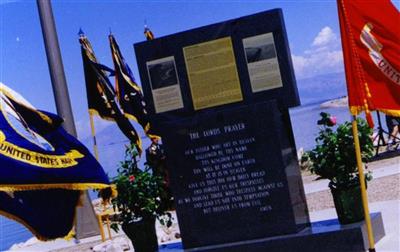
(364, 195)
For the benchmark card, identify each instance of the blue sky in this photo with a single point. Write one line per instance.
(312, 28)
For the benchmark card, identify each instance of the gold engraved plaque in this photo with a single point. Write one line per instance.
(212, 72)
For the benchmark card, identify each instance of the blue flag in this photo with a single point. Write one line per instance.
(43, 169)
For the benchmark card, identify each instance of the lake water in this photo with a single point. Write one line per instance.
(11, 232)
(305, 129)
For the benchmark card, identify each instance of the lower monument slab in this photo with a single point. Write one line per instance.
(234, 175)
(327, 236)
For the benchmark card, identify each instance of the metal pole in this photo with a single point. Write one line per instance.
(86, 220)
(56, 67)
(96, 151)
(380, 134)
(364, 195)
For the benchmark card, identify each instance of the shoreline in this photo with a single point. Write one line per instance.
(336, 103)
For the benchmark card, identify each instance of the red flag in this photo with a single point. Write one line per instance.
(370, 32)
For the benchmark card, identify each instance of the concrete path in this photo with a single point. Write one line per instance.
(390, 213)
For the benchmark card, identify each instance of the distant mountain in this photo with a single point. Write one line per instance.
(321, 87)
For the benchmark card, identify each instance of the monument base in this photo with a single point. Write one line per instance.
(325, 236)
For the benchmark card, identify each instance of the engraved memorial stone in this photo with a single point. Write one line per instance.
(227, 132)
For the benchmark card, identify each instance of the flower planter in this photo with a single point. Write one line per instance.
(348, 204)
(333, 158)
(142, 234)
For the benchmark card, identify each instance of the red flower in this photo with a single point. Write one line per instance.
(332, 120)
(131, 178)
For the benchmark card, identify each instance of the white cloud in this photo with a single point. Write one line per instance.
(324, 56)
(325, 37)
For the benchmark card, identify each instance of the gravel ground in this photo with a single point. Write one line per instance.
(381, 189)
(87, 247)
(309, 178)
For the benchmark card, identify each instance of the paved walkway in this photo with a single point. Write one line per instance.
(390, 213)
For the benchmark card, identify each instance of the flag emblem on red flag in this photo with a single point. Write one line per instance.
(370, 34)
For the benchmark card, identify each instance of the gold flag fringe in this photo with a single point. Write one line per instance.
(74, 186)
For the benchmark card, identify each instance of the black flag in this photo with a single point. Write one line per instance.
(101, 94)
(129, 94)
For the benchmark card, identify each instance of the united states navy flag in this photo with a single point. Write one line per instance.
(42, 168)
(129, 94)
(101, 94)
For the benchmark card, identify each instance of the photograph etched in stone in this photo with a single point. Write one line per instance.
(162, 73)
(164, 83)
(262, 62)
(262, 52)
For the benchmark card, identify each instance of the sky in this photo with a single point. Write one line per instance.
(312, 28)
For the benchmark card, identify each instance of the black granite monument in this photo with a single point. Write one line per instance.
(219, 96)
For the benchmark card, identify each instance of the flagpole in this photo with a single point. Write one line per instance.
(364, 195)
(56, 68)
(86, 223)
(96, 151)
